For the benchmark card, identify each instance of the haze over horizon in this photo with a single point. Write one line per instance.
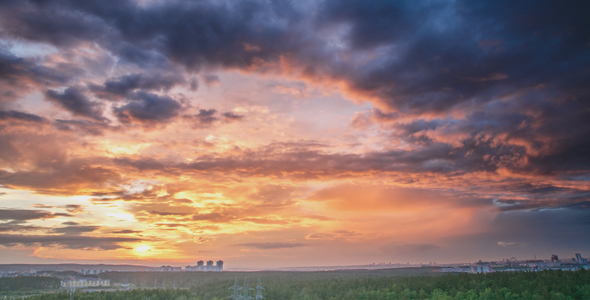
(293, 133)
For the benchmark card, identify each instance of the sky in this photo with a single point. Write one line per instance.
(293, 133)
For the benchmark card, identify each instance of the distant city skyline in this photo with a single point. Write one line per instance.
(274, 134)
(219, 265)
(512, 264)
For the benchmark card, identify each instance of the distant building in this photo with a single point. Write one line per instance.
(579, 258)
(454, 270)
(554, 258)
(198, 268)
(92, 271)
(481, 269)
(192, 268)
(208, 268)
(167, 269)
(85, 282)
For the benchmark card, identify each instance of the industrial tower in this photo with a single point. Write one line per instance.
(243, 292)
(259, 289)
(246, 290)
(236, 288)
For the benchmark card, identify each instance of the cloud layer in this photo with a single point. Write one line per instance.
(296, 128)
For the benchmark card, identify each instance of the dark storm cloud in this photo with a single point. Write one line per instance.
(50, 21)
(434, 55)
(493, 86)
(75, 230)
(207, 117)
(433, 58)
(529, 136)
(26, 214)
(13, 68)
(520, 233)
(442, 159)
(194, 84)
(447, 58)
(65, 241)
(193, 34)
(74, 208)
(211, 80)
(230, 116)
(83, 126)
(549, 220)
(75, 101)
(62, 178)
(269, 245)
(117, 88)
(203, 119)
(148, 108)
(142, 164)
(17, 226)
(71, 208)
(125, 231)
(166, 213)
(21, 116)
(19, 76)
(532, 55)
(543, 189)
(574, 200)
(445, 54)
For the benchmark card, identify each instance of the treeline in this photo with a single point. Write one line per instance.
(21, 283)
(226, 279)
(355, 285)
(384, 285)
(554, 285)
(155, 294)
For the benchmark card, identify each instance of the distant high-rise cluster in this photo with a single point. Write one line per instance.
(514, 265)
(201, 267)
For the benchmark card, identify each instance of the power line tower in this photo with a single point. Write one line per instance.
(246, 290)
(237, 288)
(259, 289)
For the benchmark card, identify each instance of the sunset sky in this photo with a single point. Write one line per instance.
(293, 133)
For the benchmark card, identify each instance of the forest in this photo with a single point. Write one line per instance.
(24, 283)
(357, 285)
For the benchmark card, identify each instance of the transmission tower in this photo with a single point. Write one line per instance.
(259, 289)
(236, 287)
(246, 290)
